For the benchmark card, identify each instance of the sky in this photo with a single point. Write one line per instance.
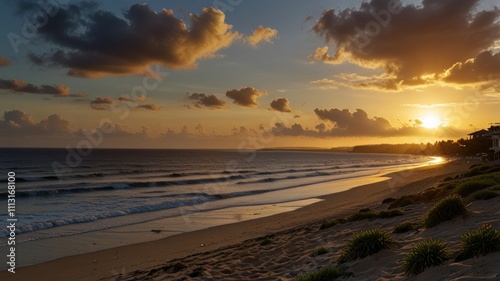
(243, 74)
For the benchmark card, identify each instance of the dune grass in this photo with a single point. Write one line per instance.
(469, 187)
(446, 209)
(481, 241)
(483, 195)
(319, 251)
(365, 243)
(425, 254)
(330, 272)
(403, 227)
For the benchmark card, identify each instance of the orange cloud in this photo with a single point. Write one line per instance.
(261, 34)
(246, 97)
(201, 100)
(281, 104)
(20, 86)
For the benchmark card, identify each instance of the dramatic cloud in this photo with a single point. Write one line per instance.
(19, 86)
(413, 44)
(261, 34)
(201, 100)
(18, 122)
(281, 104)
(245, 96)
(486, 66)
(4, 62)
(95, 43)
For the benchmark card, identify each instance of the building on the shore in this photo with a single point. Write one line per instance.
(478, 134)
(494, 134)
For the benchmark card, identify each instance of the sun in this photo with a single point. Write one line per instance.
(431, 122)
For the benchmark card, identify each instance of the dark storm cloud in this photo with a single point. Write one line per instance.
(246, 97)
(281, 104)
(95, 43)
(209, 101)
(413, 44)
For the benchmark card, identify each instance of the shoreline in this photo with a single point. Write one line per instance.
(196, 217)
(103, 265)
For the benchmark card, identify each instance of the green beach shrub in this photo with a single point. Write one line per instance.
(481, 241)
(495, 187)
(445, 209)
(365, 210)
(319, 251)
(326, 273)
(403, 227)
(483, 195)
(365, 243)
(472, 186)
(425, 254)
(390, 214)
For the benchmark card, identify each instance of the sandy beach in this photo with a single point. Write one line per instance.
(234, 251)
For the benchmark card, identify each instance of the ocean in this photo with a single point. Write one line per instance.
(60, 193)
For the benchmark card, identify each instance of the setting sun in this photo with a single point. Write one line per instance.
(431, 122)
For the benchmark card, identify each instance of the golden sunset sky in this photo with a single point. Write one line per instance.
(244, 74)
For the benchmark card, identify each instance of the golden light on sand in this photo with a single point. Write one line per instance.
(431, 122)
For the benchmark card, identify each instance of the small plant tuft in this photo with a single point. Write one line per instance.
(445, 209)
(328, 224)
(403, 227)
(265, 241)
(484, 195)
(319, 251)
(365, 243)
(481, 241)
(425, 254)
(330, 272)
